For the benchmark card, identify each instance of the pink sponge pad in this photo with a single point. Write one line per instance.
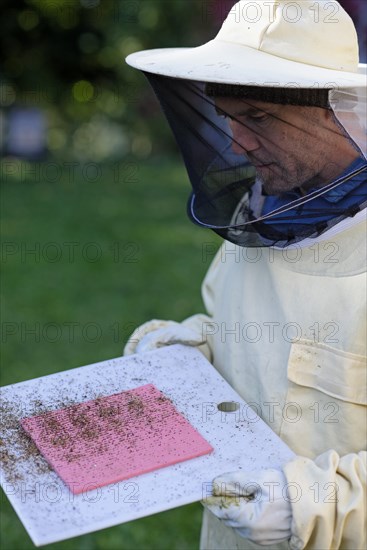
(103, 441)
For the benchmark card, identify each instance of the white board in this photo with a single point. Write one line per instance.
(44, 504)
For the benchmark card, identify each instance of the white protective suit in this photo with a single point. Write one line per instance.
(287, 330)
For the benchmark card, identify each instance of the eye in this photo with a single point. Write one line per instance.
(222, 114)
(260, 117)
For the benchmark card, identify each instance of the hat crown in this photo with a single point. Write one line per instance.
(316, 32)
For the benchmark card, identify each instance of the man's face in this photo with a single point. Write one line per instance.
(288, 145)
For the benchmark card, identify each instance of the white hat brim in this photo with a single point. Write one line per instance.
(230, 63)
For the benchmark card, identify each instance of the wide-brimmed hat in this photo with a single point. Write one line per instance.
(269, 43)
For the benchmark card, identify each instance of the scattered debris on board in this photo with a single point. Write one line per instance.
(112, 438)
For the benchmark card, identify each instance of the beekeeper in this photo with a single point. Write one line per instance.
(270, 117)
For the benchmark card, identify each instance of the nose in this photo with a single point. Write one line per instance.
(244, 139)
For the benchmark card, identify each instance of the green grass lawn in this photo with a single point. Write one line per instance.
(88, 255)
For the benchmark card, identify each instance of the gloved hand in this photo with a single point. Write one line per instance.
(255, 504)
(156, 334)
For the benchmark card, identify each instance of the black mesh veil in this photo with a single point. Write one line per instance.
(268, 169)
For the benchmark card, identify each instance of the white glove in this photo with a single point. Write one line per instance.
(156, 334)
(255, 504)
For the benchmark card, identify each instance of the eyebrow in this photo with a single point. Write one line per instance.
(250, 111)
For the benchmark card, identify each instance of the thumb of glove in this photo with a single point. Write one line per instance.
(253, 504)
(249, 484)
(175, 333)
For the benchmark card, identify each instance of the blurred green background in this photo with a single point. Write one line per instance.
(95, 238)
(135, 257)
(66, 59)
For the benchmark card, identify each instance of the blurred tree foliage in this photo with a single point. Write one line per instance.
(67, 58)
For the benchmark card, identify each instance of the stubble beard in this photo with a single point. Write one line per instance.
(279, 180)
(272, 183)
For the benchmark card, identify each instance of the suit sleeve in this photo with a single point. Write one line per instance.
(328, 499)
